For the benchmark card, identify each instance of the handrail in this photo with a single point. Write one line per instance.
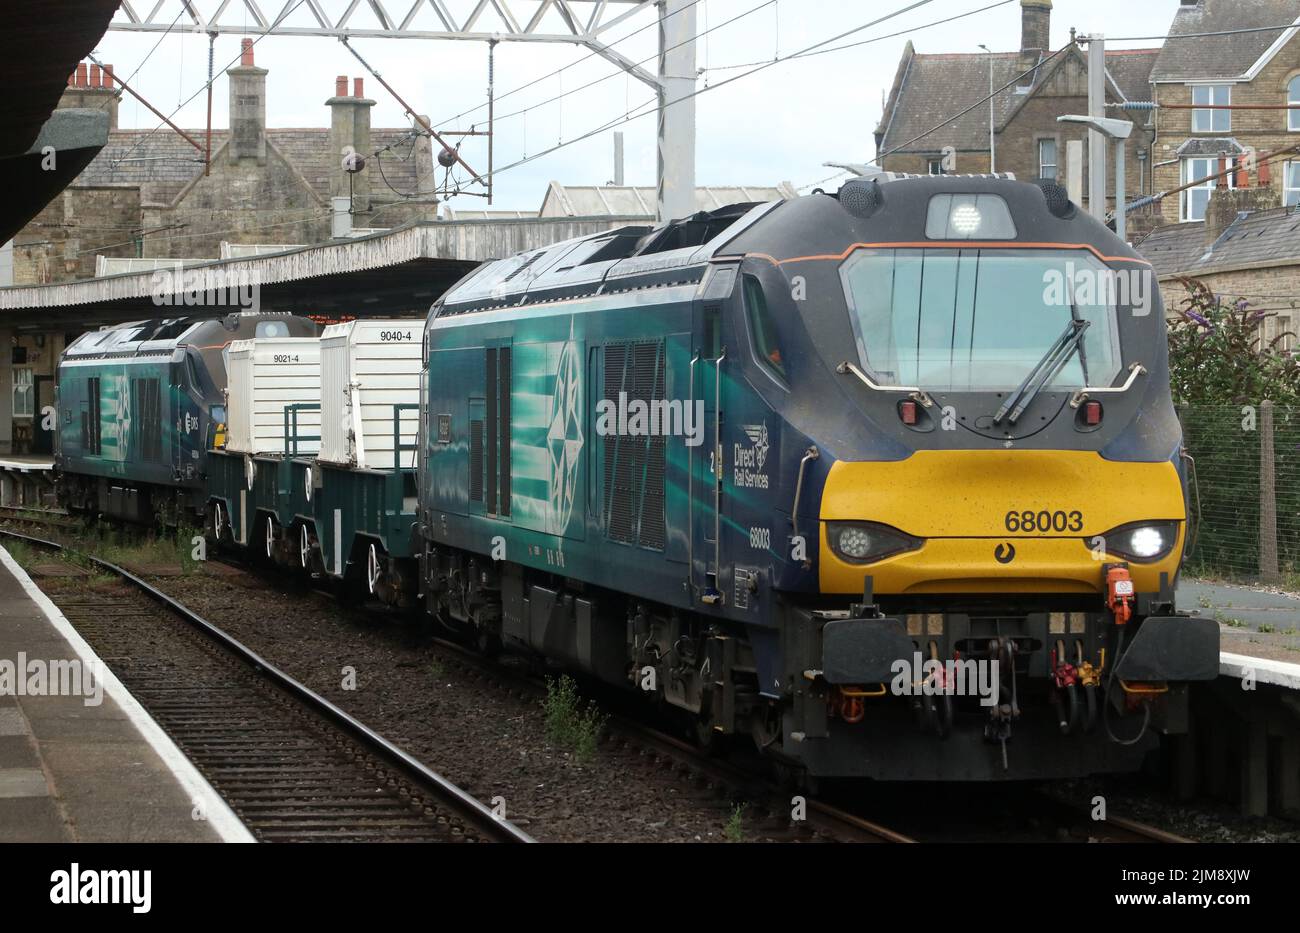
(812, 453)
(293, 438)
(690, 488)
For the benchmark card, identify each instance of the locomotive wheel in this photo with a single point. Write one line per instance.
(270, 537)
(219, 524)
(304, 548)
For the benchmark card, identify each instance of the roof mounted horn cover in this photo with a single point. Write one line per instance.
(1058, 199)
(861, 197)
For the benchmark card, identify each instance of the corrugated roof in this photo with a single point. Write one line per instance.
(627, 201)
(1227, 56)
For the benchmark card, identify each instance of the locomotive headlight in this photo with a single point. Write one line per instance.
(1143, 542)
(865, 542)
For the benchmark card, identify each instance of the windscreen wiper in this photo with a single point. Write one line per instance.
(1044, 371)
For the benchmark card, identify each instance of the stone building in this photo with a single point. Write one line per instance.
(1027, 139)
(153, 194)
(1246, 247)
(1257, 70)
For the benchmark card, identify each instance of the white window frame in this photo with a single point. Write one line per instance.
(932, 163)
(1203, 121)
(24, 392)
(1293, 98)
(1291, 183)
(1056, 158)
(1208, 165)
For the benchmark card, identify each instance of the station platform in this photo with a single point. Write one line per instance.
(80, 759)
(26, 481)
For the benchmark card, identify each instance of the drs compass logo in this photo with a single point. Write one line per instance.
(751, 459)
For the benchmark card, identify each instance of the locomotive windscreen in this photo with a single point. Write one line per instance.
(979, 319)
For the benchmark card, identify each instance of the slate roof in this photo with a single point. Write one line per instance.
(1221, 56)
(932, 87)
(1209, 146)
(163, 163)
(1271, 236)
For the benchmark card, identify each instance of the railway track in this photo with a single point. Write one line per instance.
(292, 765)
(639, 746)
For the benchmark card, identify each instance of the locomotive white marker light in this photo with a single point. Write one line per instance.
(966, 219)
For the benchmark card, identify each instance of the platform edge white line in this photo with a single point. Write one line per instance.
(219, 815)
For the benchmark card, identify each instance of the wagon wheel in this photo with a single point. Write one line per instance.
(270, 537)
(218, 523)
(374, 568)
(304, 548)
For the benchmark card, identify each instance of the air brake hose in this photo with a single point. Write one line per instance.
(1106, 705)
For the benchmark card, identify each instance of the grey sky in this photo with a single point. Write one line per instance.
(779, 124)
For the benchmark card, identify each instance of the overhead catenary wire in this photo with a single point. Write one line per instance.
(551, 74)
(723, 83)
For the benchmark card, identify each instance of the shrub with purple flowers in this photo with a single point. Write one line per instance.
(1218, 353)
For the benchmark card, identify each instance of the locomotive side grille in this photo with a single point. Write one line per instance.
(146, 405)
(491, 499)
(503, 439)
(634, 464)
(652, 533)
(619, 516)
(476, 460)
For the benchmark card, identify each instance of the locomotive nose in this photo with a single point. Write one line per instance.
(998, 522)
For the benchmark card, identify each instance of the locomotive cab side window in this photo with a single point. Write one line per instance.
(762, 332)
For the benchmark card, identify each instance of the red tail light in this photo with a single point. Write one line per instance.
(1092, 413)
(907, 411)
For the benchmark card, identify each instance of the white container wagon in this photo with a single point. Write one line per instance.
(370, 393)
(268, 375)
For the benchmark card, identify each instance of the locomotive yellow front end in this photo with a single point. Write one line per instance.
(999, 522)
(1002, 508)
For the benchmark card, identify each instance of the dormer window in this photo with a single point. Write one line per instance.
(1211, 121)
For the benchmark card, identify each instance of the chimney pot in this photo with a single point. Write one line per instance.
(81, 74)
(358, 87)
(246, 52)
(94, 76)
(108, 76)
(341, 86)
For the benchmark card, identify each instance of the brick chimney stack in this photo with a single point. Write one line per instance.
(350, 126)
(247, 107)
(92, 88)
(1035, 25)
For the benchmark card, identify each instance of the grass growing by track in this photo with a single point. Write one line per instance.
(569, 722)
(734, 831)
